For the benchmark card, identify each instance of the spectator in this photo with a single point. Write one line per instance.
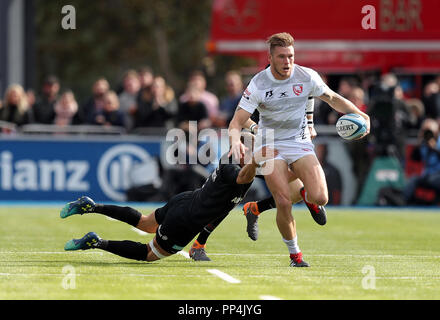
(431, 100)
(357, 96)
(388, 114)
(164, 97)
(95, 102)
(66, 109)
(210, 100)
(161, 108)
(15, 108)
(128, 97)
(234, 88)
(346, 85)
(43, 110)
(146, 78)
(429, 153)
(192, 110)
(416, 115)
(110, 115)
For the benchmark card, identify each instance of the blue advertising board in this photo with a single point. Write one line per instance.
(63, 168)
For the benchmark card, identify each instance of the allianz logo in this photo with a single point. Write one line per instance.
(114, 172)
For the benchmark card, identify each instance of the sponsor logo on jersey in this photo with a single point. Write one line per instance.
(283, 94)
(236, 200)
(297, 89)
(269, 94)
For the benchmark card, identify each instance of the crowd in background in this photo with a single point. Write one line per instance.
(142, 100)
(145, 100)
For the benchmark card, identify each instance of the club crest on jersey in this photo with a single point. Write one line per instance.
(297, 89)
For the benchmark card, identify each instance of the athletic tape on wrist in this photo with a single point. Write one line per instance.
(155, 251)
(252, 127)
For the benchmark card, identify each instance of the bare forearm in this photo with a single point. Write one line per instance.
(234, 131)
(340, 104)
(238, 122)
(345, 106)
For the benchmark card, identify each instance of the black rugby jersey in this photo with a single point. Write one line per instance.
(219, 195)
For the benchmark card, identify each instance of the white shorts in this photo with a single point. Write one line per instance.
(291, 151)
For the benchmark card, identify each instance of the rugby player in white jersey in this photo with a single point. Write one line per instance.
(280, 93)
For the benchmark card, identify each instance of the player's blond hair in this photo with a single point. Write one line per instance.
(282, 39)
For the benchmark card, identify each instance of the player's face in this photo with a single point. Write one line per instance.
(281, 62)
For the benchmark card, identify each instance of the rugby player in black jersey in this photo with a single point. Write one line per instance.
(180, 220)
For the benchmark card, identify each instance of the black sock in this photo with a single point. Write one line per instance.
(124, 214)
(208, 229)
(126, 248)
(205, 233)
(266, 204)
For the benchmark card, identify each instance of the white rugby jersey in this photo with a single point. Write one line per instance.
(282, 103)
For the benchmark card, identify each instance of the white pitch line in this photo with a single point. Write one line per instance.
(223, 276)
(184, 253)
(266, 297)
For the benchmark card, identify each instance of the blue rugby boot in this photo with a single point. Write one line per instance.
(90, 241)
(80, 206)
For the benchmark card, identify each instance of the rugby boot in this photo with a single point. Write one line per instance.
(80, 206)
(318, 212)
(297, 261)
(198, 253)
(251, 212)
(90, 241)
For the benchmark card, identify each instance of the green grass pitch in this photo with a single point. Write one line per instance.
(360, 254)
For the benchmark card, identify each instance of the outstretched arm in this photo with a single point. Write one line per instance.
(248, 172)
(237, 123)
(342, 105)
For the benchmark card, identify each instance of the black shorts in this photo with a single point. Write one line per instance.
(175, 231)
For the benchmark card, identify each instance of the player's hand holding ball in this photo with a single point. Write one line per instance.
(353, 126)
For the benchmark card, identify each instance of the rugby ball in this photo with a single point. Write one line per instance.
(351, 126)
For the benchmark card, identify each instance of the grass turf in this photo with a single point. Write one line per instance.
(360, 254)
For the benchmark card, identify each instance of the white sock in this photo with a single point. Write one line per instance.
(305, 196)
(292, 245)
